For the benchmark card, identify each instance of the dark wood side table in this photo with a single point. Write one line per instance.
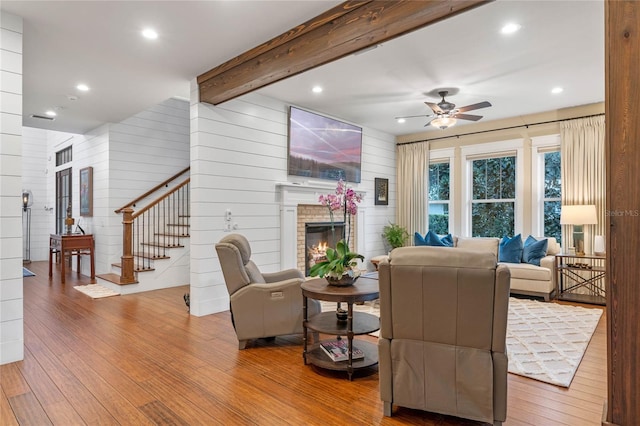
(71, 245)
(357, 323)
(586, 272)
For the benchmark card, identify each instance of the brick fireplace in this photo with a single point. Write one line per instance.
(299, 205)
(316, 216)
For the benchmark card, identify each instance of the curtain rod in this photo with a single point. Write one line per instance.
(497, 130)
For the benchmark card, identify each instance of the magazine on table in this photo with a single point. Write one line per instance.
(338, 350)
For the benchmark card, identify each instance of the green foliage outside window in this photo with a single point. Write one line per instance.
(492, 219)
(552, 193)
(439, 182)
(439, 187)
(439, 223)
(493, 179)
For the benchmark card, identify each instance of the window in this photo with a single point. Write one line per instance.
(64, 156)
(552, 192)
(546, 191)
(493, 201)
(439, 189)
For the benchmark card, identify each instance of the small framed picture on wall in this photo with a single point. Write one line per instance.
(381, 192)
(86, 191)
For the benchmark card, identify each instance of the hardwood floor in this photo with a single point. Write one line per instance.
(142, 359)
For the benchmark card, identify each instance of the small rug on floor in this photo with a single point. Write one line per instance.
(96, 291)
(545, 341)
(27, 273)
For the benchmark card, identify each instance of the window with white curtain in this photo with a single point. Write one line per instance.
(494, 189)
(546, 186)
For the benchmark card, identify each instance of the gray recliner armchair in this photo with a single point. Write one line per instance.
(442, 346)
(262, 305)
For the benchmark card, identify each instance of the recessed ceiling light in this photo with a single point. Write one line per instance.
(401, 120)
(557, 90)
(317, 89)
(82, 87)
(150, 34)
(51, 113)
(510, 28)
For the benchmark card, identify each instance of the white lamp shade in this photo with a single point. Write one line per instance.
(578, 215)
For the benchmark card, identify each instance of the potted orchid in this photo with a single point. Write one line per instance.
(340, 266)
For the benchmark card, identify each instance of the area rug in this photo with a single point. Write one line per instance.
(27, 273)
(545, 341)
(95, 291)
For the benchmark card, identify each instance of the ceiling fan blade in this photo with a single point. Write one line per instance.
(414, 116)
(468, 117)
(429, 122)
(434, 107)
(479, 105)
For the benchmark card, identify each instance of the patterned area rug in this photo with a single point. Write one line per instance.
(96, 291)
(545, 341)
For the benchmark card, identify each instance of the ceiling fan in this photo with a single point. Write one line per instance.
(445, 114)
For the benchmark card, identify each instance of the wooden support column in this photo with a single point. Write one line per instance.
(347, 28)
(622, 115)
(126, 271)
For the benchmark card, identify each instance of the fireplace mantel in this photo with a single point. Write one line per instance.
(294, 194)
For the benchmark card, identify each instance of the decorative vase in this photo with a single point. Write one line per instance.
(343, 281)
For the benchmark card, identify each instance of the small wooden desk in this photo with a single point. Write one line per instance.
(71, 245)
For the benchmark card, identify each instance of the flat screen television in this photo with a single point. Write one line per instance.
(323, 148)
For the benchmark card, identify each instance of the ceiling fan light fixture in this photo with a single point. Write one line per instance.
(443, 122)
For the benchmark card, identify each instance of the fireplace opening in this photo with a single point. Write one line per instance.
(318, 236)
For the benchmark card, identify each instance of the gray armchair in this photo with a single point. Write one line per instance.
(442, 346)
(262, 305)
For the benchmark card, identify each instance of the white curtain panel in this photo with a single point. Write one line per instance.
(583, 172)
(413, 181)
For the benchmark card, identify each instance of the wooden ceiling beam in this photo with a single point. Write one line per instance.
(347, 28)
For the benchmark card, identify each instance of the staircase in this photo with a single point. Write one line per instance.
(155, 239)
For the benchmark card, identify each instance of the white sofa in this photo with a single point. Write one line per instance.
(526, 279)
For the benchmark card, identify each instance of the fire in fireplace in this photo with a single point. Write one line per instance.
(318, 236)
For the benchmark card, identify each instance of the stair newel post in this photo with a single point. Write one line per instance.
(126, 274)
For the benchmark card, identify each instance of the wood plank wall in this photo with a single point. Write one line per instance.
(622, 62)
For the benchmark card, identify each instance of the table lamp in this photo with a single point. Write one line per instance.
(578, 216)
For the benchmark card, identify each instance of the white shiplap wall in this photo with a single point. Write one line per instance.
(34, 177)
(238, 155)
(128, 159)
(11, 296)
(143, 151)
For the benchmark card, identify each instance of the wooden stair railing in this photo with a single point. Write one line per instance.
(154, 189)
(148, 233)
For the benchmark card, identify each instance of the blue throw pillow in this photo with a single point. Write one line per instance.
(447, 240)
(418, 240)
(534, 250)
(510, 249)
(432, 239)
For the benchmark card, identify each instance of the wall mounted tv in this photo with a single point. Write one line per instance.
(323, 148)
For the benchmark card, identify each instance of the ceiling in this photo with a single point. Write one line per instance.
(560, 44)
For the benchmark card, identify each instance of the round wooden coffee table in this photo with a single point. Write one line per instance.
(357, 323)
